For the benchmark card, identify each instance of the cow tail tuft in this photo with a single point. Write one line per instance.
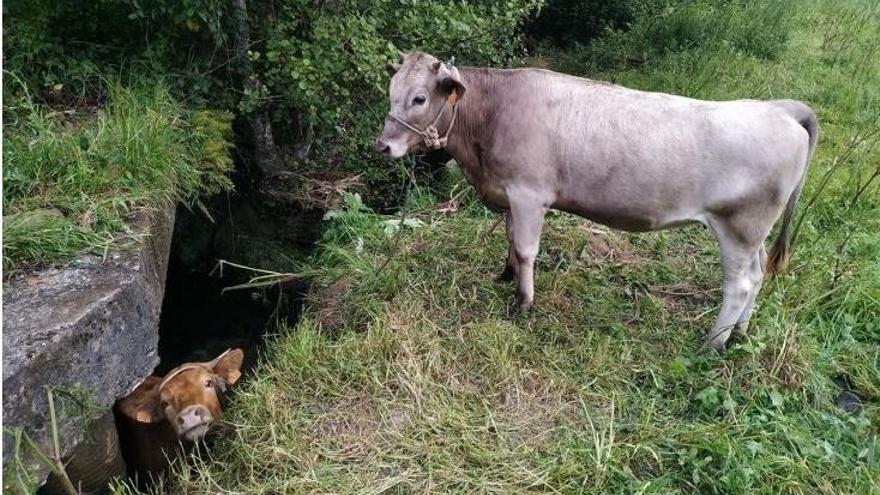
(777, 260)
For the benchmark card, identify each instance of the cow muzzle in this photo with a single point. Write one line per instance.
(393, 145)
(383, 147)
(193, 422)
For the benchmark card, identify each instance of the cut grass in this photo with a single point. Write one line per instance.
(70, 184)
(415, 379)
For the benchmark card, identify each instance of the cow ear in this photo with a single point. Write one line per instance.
(449, 80)
(392, 69)
(228, 366)
(142, 404)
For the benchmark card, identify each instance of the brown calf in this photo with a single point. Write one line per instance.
(163, 412)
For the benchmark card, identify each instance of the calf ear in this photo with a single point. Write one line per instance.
(449, 80)
(392, 69)
(142, 404)
(228, 366)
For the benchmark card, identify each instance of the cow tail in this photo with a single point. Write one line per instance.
(777, 260)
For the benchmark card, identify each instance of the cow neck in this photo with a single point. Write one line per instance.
(467, 136)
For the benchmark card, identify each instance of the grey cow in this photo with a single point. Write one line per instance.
(530, 139)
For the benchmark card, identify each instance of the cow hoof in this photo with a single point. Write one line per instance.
(713, 344)
(517, 309)
(507, 275)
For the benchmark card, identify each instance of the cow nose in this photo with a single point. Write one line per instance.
(383, 147)
(193, 416)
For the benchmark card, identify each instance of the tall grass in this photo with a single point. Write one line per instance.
(413, 379)
(72, 177)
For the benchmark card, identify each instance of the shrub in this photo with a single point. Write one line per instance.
(320, 63)
(326, 64)
(568, 22)
(181, 40)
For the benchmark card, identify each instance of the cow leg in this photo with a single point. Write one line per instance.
(737, 259)
(526, 222)
(509, 272)
(756, 277)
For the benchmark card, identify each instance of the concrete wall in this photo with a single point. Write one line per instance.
(89, 329)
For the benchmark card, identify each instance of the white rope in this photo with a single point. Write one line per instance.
(187, 367)
(430, 134)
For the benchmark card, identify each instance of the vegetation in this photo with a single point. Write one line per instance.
(73, 177)
(318, 77)
(305, 70)
(411, 377)
(407, 373)
(571, 22)
(299, 77)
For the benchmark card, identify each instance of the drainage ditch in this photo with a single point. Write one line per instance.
(199, 320)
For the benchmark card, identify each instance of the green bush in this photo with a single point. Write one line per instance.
(320, 64)
(76, 43)
(326, 65)
(568, 22)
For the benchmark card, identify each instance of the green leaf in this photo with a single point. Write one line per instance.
(776, 398)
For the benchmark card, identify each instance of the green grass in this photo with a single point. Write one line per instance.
(415, 380)
(72, 179)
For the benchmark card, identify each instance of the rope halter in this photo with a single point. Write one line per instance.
(191, 366)
(430, 135)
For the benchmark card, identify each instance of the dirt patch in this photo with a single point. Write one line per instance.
(357, 428)
(533, 409)
(599, 246)
(557, 302)
(319, 191)
(604, 245)
(349, 420)
(684, 297)
(328, 304)
(349, 426)
(785, 364)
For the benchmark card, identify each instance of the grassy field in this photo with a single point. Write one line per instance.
(414, 379)
(74, 172)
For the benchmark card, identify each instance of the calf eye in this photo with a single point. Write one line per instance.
(419, 100)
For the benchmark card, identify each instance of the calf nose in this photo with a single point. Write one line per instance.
(193, 416)
(383, 147)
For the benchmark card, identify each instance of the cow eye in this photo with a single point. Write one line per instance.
(209, 384)
(419, 100)
(163, 404)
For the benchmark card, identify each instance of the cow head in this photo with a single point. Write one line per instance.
(188, 397)
(420, 87)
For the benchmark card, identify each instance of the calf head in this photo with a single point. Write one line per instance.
(188, 397)
(420, 87)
